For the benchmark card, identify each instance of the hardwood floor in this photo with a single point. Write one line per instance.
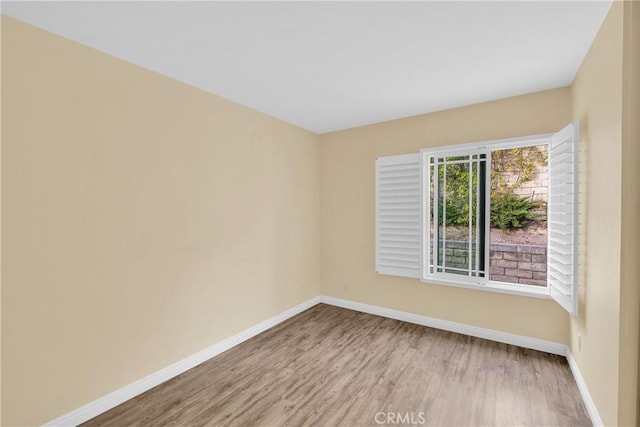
(330, 366)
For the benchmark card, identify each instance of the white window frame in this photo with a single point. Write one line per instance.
(429, 258)
(403, 222)
(473, 282)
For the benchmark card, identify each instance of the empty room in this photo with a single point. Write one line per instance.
(320, 213)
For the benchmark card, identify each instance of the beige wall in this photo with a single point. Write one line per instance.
(0, 223)
(144, 220)
(605, 100)
(347, 203)
(630, 220)
(597, 103)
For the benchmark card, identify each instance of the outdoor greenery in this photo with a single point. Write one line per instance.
(457, 210)
(508, 210)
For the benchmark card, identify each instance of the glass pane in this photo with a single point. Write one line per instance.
(477, 219)
(481, 216)
(432, 219)
(518, 238)
(456, 158)
(455, 212)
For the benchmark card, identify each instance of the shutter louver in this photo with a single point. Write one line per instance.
(562, 218)
(398, 215)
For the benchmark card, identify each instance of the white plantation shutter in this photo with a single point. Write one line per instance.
(563, 218)
(399, 215)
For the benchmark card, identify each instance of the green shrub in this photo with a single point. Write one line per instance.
(508, 210)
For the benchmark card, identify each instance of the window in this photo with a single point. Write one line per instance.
(435, 209)
(456, 193)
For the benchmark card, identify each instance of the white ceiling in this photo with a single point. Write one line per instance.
(327, 66)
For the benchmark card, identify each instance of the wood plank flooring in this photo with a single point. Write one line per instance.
(330, 366)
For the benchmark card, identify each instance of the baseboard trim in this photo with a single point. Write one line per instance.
(129, 391)
(584, 391)
(460, 328)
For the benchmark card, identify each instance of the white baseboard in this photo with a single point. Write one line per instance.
(460, 328)
(584, 391)
(129, 391)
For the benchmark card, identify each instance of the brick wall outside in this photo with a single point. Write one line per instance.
(525, 264)
(457, 254)
(537, 189)
(512, 263)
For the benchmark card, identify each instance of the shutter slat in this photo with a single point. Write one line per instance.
(394, 247)
(398, 167)
(560, 245)
(560, 249)
(398, 255)
(561, 257)
(564, 188)
(563, 159)
(400, 226)
(399, 186)
(560, 236)
(396, 263)
(398, 215)
(557, 208)
(559, 226)
(399, 200)
(561, 268)
(395, 236)
(562, 218)
(560, 287)
(397, 219)
(561, 198)
(405, 177)
(563, 168)
(391, 215)
(393, 233)
(396, 193)
(398, 175)
(398, 205)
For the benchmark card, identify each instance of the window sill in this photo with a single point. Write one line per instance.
(503, 288)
